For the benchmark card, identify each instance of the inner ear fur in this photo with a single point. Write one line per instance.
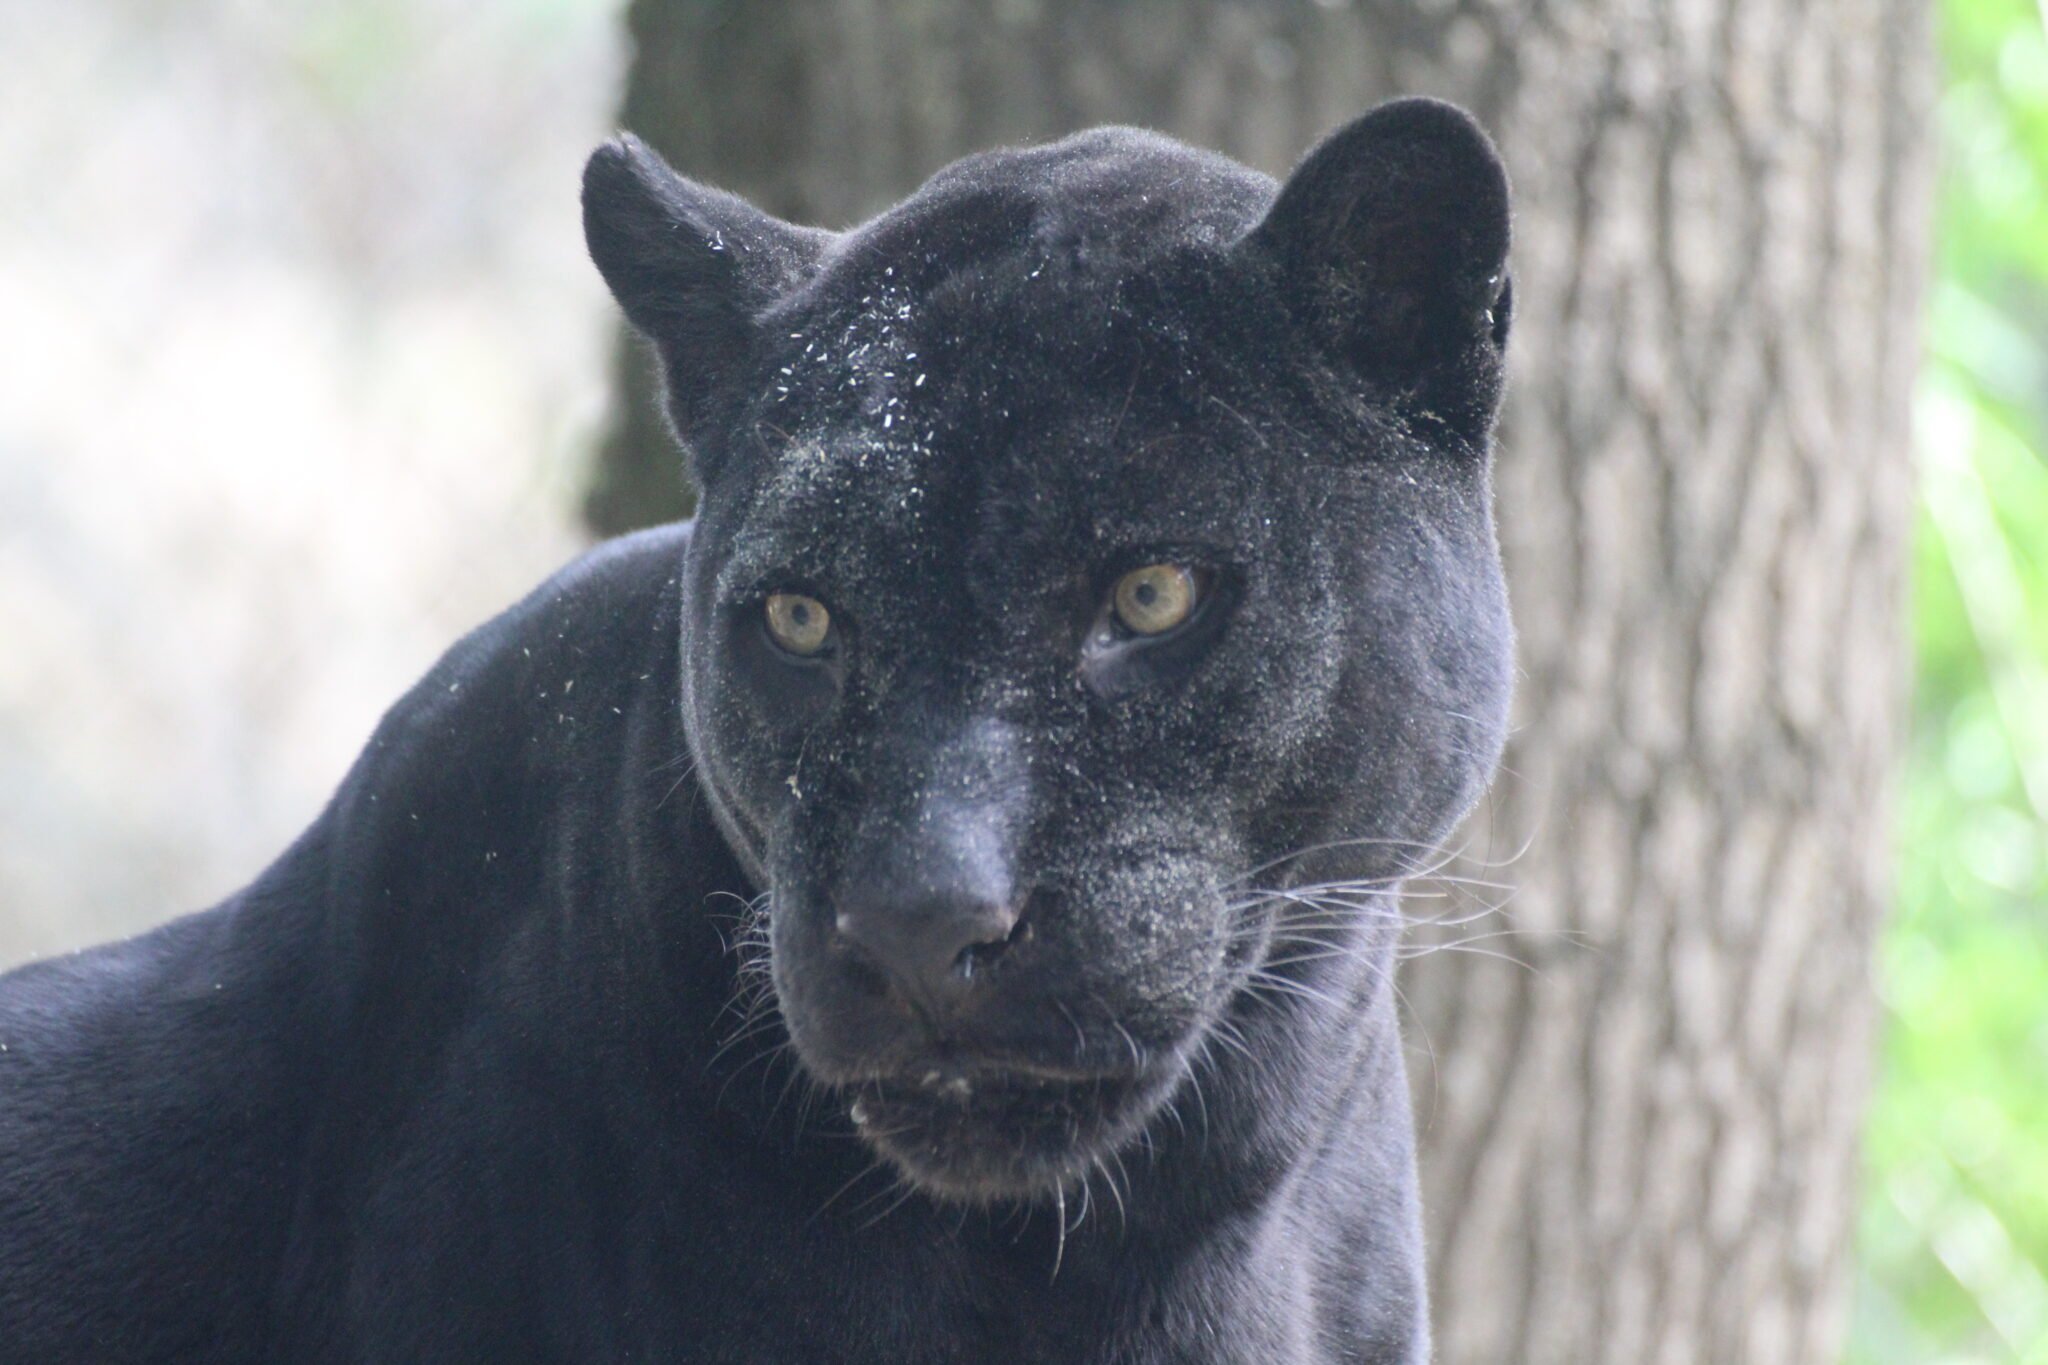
(1391, 241)
(692, 267)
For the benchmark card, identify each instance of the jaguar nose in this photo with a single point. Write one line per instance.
(928, 892)
(932, 948)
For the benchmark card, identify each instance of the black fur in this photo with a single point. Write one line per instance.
(578, 1028)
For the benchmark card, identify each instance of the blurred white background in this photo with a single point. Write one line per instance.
(300, 359)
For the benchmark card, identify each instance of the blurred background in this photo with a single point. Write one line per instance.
(303, 372)
(1954, 1235)
(299, 356)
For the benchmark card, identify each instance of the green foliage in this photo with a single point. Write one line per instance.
(1955, 1219)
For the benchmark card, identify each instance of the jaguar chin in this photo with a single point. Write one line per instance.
(983, 1134)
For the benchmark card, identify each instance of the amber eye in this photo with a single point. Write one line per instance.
(1156, 598)
(798, 623)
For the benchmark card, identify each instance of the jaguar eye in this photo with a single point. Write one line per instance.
(1156, 598)
(798, 623)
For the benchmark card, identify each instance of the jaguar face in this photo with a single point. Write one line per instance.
(1059, 575)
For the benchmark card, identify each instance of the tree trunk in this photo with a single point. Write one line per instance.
(1642, 1146)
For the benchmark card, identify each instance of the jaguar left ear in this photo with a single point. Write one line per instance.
(693, 268)
(1391, 242)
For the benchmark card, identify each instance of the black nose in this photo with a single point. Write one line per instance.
(927, 891)
(931, 947)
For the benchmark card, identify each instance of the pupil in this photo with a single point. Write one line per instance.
(800, 614)
(1146, 594)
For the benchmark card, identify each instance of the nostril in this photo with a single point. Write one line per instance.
(981, 956)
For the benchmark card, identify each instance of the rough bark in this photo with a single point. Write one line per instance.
(1642, 1145)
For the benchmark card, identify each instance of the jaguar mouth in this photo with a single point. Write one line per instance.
(978, 1135)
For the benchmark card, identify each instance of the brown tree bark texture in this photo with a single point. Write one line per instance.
(1641, 1145)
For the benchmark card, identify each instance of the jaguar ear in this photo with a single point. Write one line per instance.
(1391, 239)
(693, 268)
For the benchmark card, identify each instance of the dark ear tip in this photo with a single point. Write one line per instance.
(1425, 115)
(1437, 130)
(1419, 159)
(620, 163)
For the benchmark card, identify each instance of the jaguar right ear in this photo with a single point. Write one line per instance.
(1391, 240)
(692, 267)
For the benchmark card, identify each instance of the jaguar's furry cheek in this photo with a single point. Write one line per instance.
(1152, 930)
